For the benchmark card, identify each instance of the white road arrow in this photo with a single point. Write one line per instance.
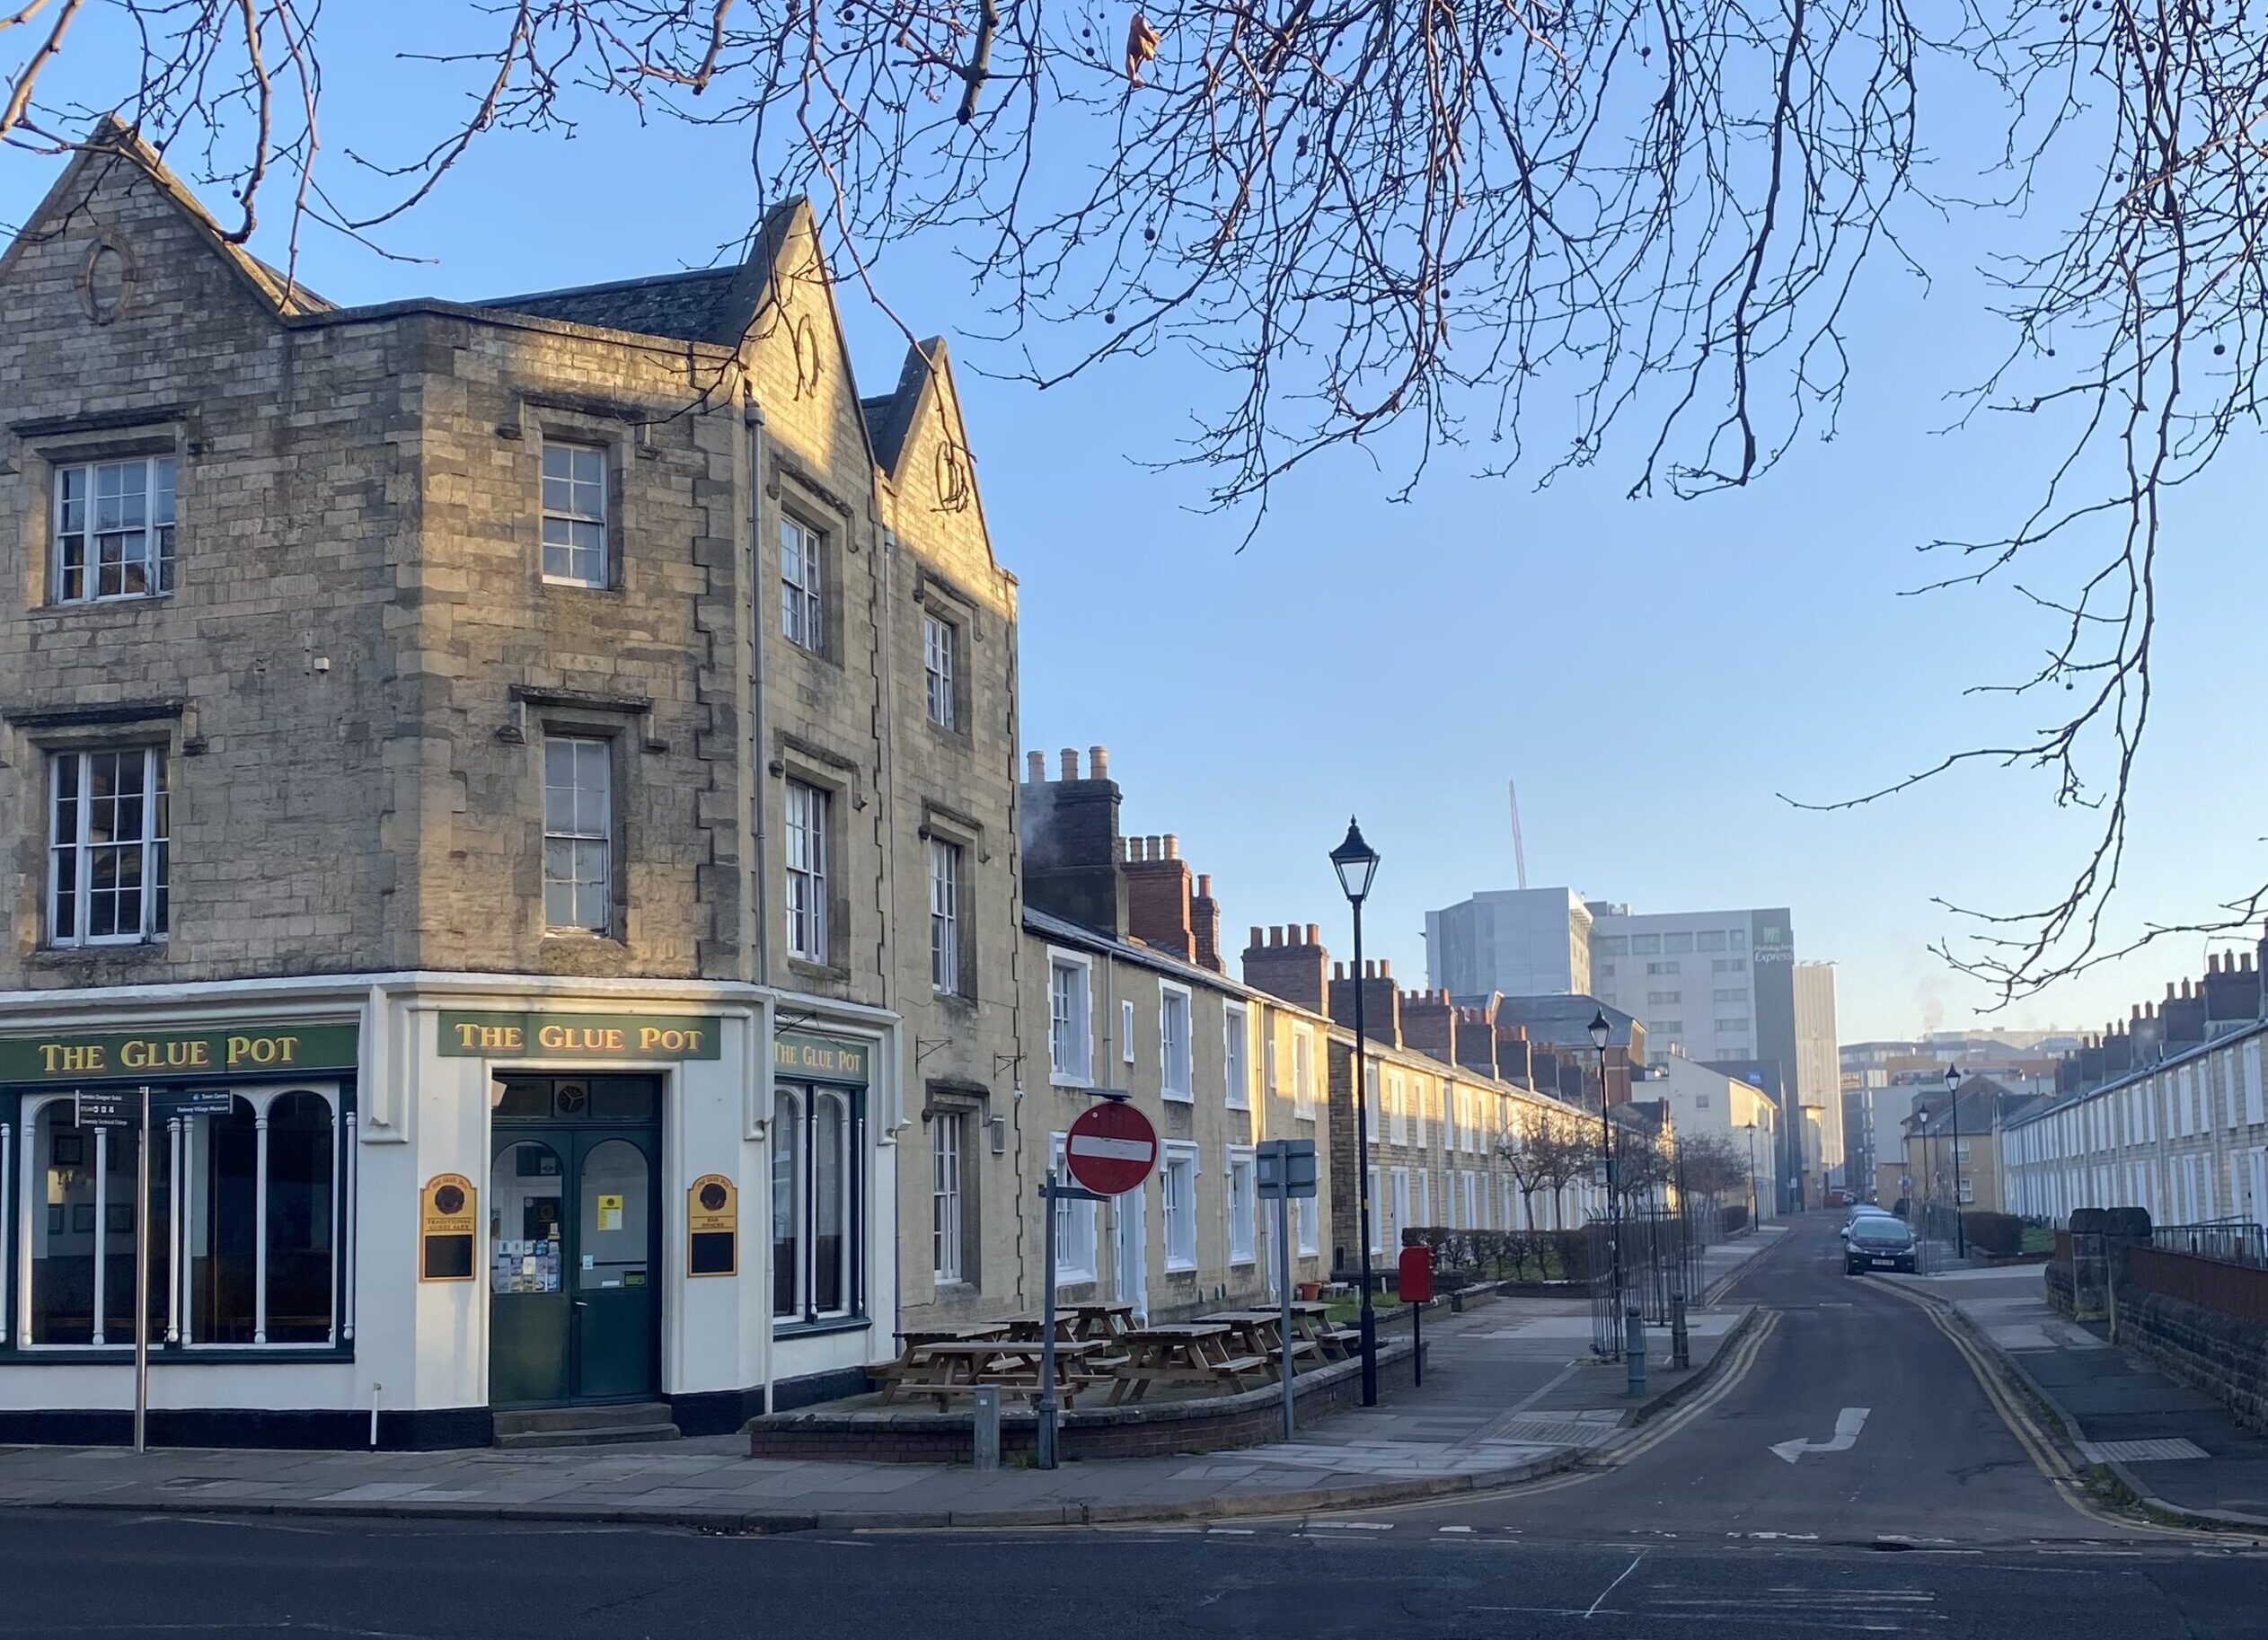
(1848, 1422)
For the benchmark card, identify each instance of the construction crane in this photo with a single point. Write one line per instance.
(1518, 848)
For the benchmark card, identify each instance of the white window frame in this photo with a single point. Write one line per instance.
(1125, 1030)
(1307, 1226)
(1236, 1057)
(945, 860)
(1075, 1226)
(1179, 1163)
(580, 832)
(159, 475)
(940, 640)
(1070, 1018)
(185, 1138)
(1417, 1102)
(569, 506)
(802, 596)
(1243, 1206)
(1371, 1097)
(945, 1197)
(1303, 1072)
(804, 862)
(1376, 1246)
(154, 845)
(1177, 1052)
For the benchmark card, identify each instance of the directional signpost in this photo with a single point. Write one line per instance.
(1111, 1149)
(124, 1109)
(1285, 1168)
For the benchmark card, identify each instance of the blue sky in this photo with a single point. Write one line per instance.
(1653, 672)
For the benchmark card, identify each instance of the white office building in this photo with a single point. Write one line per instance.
(1525, 942)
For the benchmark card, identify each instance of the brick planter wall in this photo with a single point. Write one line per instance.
(913, 1434)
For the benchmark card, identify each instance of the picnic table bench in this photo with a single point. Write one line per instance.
(913, 1340)
(1311, 1318)
(1260, 1332)
(1105, 1319)
(953, 1368)
(1187, 1352)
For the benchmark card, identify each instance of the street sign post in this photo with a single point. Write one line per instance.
(1111, 1148)
(1285, 1170)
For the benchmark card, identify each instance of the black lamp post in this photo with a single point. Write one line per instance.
(1600, 1031)
(1953, 1098)
(1752, 1213)
(1356, 862)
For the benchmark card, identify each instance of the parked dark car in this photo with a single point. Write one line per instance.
(1878, 1243)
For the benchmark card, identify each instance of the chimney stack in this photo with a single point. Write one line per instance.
(1071, 847)
(1296, 969)
(2231, 992)
(1382, 1002)
(1429, 1024)
(1205, 925)
(1477, 1039)
(1158, 898)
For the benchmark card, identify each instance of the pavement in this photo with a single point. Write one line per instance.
(1510, 1394)
(2178, 1451)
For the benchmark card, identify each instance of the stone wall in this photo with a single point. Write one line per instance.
(2225, 1356)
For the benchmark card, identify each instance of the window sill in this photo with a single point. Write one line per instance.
(1066, 1083)
(574, 585)
(140, 599)
(1174, 1267)
(96, 950)
(15, 1354)
(1174, 1096)
(805, 968)
(819, 1328)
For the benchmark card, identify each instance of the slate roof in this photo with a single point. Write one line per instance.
(1558, 1021)
(684, 306)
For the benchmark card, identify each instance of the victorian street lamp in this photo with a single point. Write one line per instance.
(1751, 1174)
(1953, 1098)
(1600, 1031)
(1356, 863)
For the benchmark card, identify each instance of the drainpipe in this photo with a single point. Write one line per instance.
(758, 716)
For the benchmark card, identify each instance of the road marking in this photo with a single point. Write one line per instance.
(1612, 1587)
(1350, 1526)
(1848, 1422)
(1228, 1531)
(1456, 1529)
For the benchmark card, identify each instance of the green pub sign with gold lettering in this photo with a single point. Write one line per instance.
(169, 1054)
(833, 1058)
(600, 1037)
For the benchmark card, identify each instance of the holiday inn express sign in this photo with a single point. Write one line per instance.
(160, 1052)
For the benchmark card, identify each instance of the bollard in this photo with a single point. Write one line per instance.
(1634, 1349)
(985, 1400)
(1680, 1346)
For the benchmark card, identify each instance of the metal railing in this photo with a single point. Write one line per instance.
(1661, 1254)
(2228, 1241)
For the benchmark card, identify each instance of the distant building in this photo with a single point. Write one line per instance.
(1522, 941)
(1703, 1100)
(1819, 1084)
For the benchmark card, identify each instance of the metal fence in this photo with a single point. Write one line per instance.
(2228, 1241)
(1637, 1261)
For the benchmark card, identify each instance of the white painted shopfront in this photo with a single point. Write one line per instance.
(437, 1196)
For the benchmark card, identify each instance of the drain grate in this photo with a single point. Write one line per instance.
(2141, 1451)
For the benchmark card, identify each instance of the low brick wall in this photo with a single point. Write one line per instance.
(911, 1434)
(2225, 1356)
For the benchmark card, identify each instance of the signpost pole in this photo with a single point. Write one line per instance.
(1046, 1431)
(1284, 1283)
(142, 1281)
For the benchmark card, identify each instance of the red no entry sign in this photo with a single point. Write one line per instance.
(1111, 1148)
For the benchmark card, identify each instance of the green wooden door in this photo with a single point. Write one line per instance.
(574, 1263)
(529, 1333)
(614, 1280)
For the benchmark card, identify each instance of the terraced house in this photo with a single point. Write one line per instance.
(1129, 995)
(530, 787)
(2165, 1111)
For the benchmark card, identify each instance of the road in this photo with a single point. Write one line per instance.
(1932, 1521)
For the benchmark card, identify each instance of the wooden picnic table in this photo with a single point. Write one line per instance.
(913, 1340)
(1312, 1319)
(952, 1367)
(1104, 1320)
(1184, 1352)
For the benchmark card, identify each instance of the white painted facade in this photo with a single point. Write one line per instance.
(417, 1351)
(2185, 1139)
